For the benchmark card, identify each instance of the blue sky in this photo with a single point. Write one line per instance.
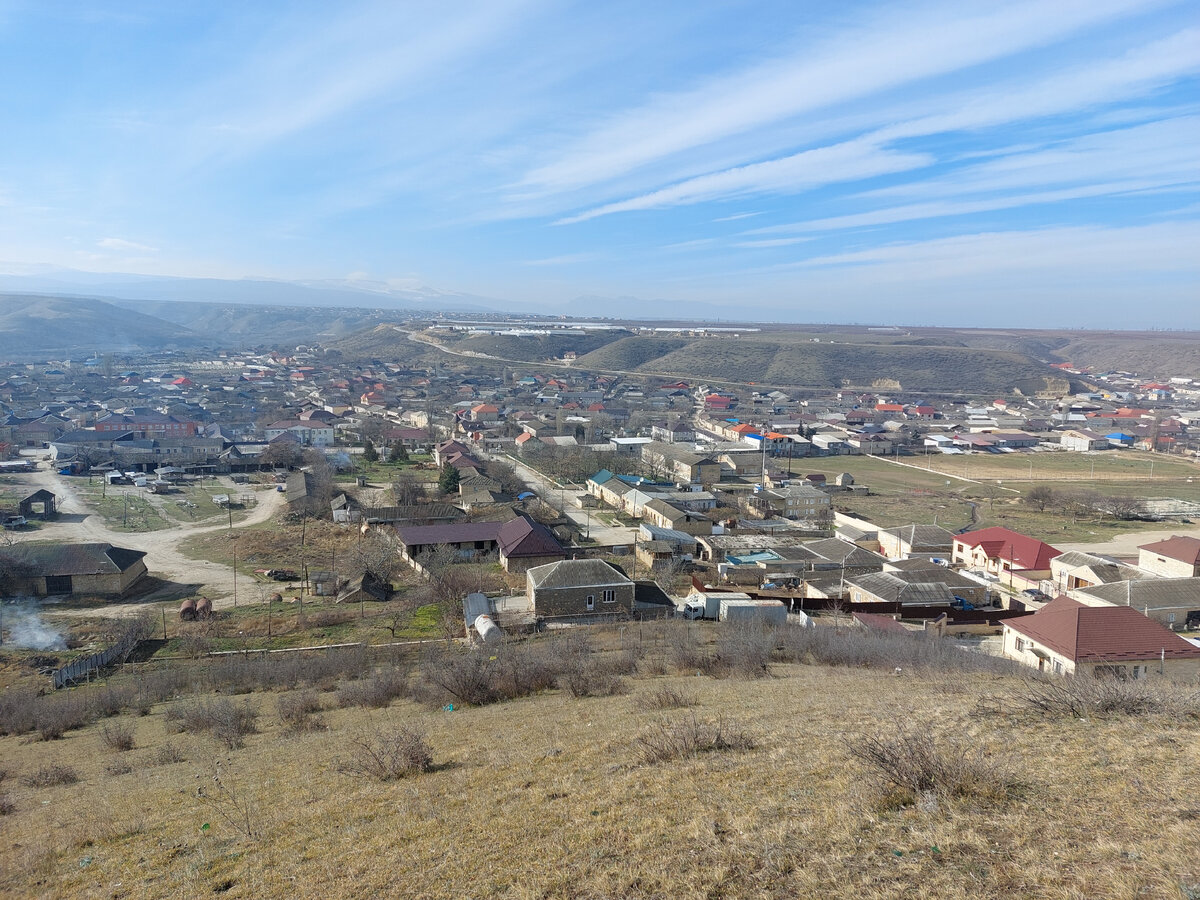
(1018, 163)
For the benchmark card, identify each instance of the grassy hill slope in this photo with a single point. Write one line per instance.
(551, 796)
(32, 324)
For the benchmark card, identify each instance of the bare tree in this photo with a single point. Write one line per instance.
(1041, 496)
(407, 489)
(377, 555)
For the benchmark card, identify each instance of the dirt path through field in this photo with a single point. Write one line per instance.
(163, 559)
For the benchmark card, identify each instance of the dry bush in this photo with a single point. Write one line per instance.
(388, 754)
(118, 767)
(878, 650)
(583, 673)
(225, 720)
(7, 807)
(117, 736)
(689, 737)
(167, 754)
(684, 652)
(744, 650)
(486, 675)
(297, 711)
(375, 692)
(55, 716)
(1082, 696)
(592, 678)
(668, 698)
(194, 645)
(5, 774)
(51, 775)
(111, 701)
(916, 765)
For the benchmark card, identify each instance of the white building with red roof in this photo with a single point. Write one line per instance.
(1066, 637)
(1015, 559)
(1176, 557)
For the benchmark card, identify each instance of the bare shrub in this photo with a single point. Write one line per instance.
(744, 650)
(7, 807)
(915, 764)
(491, 675)
(167, 754)
(879, 650)
(297, 711)
(18, 711)
(52, 775)
(118, 767)
(684, 652)
(388, 754)
(689, 737)
(668, 698)
(225, 720)
(58, 715)
(117, 736)
(233, 804)
(1081, 696)
(584, 673)
(111, 701)
(375, 692)
(195, 645)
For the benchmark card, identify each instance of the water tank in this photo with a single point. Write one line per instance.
(489, 631)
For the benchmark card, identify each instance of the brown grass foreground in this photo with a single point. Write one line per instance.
(549, 796)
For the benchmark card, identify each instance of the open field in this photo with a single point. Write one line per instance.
(940, 489)
(558, 797)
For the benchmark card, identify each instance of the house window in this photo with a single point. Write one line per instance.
(1058, 667)
(1139, 672)
(610, 596)
(1020, 645)
(591, 601)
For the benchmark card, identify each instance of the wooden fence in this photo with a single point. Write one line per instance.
(82, 668)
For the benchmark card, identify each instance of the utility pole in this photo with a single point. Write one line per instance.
(235, 573)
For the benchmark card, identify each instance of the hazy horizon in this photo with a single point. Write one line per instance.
(1008, 164)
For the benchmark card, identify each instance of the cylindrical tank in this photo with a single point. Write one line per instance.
(187, 610)
(203, 608)
(489, 631)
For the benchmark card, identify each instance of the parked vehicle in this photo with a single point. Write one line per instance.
(282, 575)
(15, 521)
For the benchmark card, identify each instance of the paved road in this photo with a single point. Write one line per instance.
(163, 558)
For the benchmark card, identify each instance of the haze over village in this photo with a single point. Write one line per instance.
(565, 451)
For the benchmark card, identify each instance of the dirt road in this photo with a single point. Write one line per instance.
(77, 523)
(1126, 545)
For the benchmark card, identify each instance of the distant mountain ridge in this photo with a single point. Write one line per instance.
(347, 293)
(33, 324)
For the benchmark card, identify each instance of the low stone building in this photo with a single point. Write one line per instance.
(579, 588)
(99, 570)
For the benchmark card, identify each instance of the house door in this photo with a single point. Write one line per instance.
(591, 602)
(58, 584)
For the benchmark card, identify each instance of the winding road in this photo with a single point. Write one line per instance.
(163, 559)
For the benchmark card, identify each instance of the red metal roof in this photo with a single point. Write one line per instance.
(1021, 550)
(1101, 633)
(1177, 546)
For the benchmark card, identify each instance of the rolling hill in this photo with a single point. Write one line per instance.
(31, 325)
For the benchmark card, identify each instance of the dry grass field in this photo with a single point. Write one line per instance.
(553, 796)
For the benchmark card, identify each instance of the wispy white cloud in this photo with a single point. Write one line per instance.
(1157, 155)
(878, 56)
(565, 259)
(113, 243)
(734, 218)
(850, 161)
